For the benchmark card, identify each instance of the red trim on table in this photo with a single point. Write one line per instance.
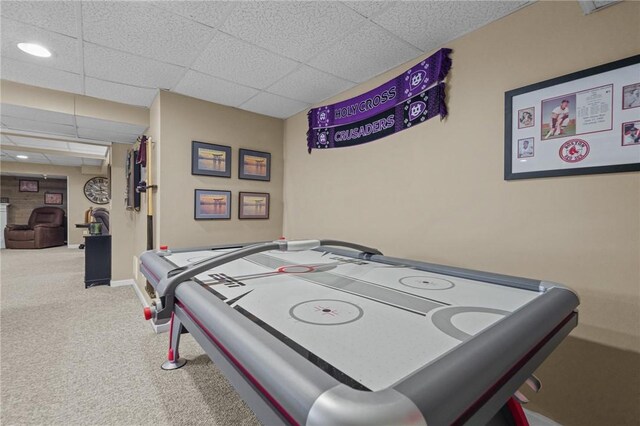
(171, 354)
(237, 363)
(515, 408)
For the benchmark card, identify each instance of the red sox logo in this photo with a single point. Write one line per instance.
(574, 150)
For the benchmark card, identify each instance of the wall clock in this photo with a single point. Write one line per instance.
(97, 190)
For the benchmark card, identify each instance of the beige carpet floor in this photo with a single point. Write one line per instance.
(73, 356)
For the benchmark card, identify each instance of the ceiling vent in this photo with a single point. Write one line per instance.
(590, 6)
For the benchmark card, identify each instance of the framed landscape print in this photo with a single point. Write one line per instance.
(254, 205)
(25, 185)
(212, 204)
(254, 165)
(53, 198)
(581, 123)
(210, 159)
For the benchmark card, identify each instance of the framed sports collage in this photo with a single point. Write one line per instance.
(581, 123)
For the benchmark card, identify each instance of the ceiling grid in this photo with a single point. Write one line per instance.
(274, 58)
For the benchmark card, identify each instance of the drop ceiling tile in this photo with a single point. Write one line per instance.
(41, 143)
(34, 75)
(211, 13)
(120, 67)
(111, 126)
(60, 146)
(64, 49)
(56, 16)
(241, 62)
(63, 160)
(309, 85)
(85, 148)
(369, 8)
(118, 92)
(4, 140)
(360, 57)
(91, 162)
(603, 3)
(7, 156)
(213, 89)
(297, 30)
(106, 135)
(38, 126)
(141, 28)
(20, 111)
(274, 105)
(34, 157)
(428, 25)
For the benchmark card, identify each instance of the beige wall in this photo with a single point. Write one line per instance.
(77, 203)
(445, 199)
(140, 219)
(121, 221)
(23, 203)
(176, 121)
(185, 119)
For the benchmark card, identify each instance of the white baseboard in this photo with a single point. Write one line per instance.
(73, 246)
(158, 328)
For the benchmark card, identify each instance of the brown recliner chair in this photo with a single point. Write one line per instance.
(46, 228)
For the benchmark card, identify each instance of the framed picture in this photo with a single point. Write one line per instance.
(631, 96)
(631, 133)
(254, 205)
(212, 204)
(254, 165)
(210, 160)
(574, 124)
(28, 185)
(54, 198)
(526, 117)
(526, 148)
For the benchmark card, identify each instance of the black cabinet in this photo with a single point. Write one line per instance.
(97, 260)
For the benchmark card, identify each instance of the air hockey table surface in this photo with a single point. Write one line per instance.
(336, 336)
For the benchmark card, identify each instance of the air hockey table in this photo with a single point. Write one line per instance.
(325, 332)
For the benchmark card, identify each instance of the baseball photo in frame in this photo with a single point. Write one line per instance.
(631, 96)
(211, 204)
(210, 159)
(526, 148)
(254, 165)
(581, 123)
(631, 133)
(526, 117)
(253, 205)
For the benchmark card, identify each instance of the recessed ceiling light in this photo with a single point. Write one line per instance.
(22, 156)
(34, 49)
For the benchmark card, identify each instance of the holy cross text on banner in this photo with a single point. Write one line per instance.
(405, 101)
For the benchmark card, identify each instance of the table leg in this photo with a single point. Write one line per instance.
(173, 357)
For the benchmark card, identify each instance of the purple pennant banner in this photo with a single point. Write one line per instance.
(396, 105)
(410, 112)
